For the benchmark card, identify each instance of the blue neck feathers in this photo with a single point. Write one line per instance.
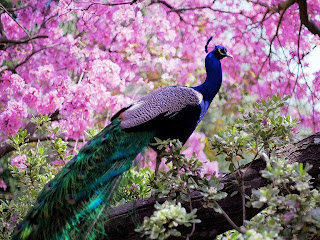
(212, 84)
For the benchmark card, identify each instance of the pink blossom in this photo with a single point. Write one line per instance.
(210, 168)
(3, 185)
(9, 122)
(196, 144)
(148, 159)
(58, 163)
(20, 162)
(288, 216)
(31, 97)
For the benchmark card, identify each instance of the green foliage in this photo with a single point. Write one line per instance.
(134, 185)
(176, 184)
(183, 174)
(258, 130)
(212, 192)
(164, 221)
(30, 179)
(292, 203)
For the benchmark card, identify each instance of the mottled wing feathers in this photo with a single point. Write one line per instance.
(166, 101)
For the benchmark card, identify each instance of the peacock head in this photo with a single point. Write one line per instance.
(219, 51)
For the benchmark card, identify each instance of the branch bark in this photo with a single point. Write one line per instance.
(303, 12)
(124, 219)
(306, 20)
(4, 40)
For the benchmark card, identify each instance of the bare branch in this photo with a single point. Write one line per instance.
(107, 4)
(281, 6)
(181, 10)
(306, 20)
(2, 29)
(272, 40)
(13, 69)
(22, 40)
(303, 11)
(23, 28)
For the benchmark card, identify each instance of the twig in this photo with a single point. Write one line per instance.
(278, 8)
(194, 224)
(226, 216)
(272, 40)
(22, 40)
(306, 20)
(2, 29)
(108, 4)
(243, 202)
(13, 69)
(25, 30)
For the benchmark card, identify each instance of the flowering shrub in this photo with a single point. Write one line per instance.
(292, 205)
(31, 169)
(291, 202)
(167, 216)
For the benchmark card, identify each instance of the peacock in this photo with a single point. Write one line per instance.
(82, 189)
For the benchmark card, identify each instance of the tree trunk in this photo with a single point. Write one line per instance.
(124, 219)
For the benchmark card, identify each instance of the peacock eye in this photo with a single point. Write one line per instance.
(222, 51)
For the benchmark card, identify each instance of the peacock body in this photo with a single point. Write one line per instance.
(83, 188)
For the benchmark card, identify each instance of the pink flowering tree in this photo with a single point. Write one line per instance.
(86, 60)
(80, 61)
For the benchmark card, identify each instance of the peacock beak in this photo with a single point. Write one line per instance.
(229, 55)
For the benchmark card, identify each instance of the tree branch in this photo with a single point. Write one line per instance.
(107, 4)
(277, 8)
(21, 40)
(303, 11)
(305, 19)
(13, 69)
(124, 219)
(15, 20)
(5, 41)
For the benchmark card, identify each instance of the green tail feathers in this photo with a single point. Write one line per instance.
(83, 188)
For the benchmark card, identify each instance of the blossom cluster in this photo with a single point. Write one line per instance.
(20, 162)
(2, 183)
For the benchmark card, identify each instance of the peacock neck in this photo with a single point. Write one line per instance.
(212, 84)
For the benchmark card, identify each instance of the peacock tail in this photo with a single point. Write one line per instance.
(83, 188)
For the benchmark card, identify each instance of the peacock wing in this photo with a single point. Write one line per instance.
(165, 102)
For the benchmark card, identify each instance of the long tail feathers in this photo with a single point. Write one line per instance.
(83, 188)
